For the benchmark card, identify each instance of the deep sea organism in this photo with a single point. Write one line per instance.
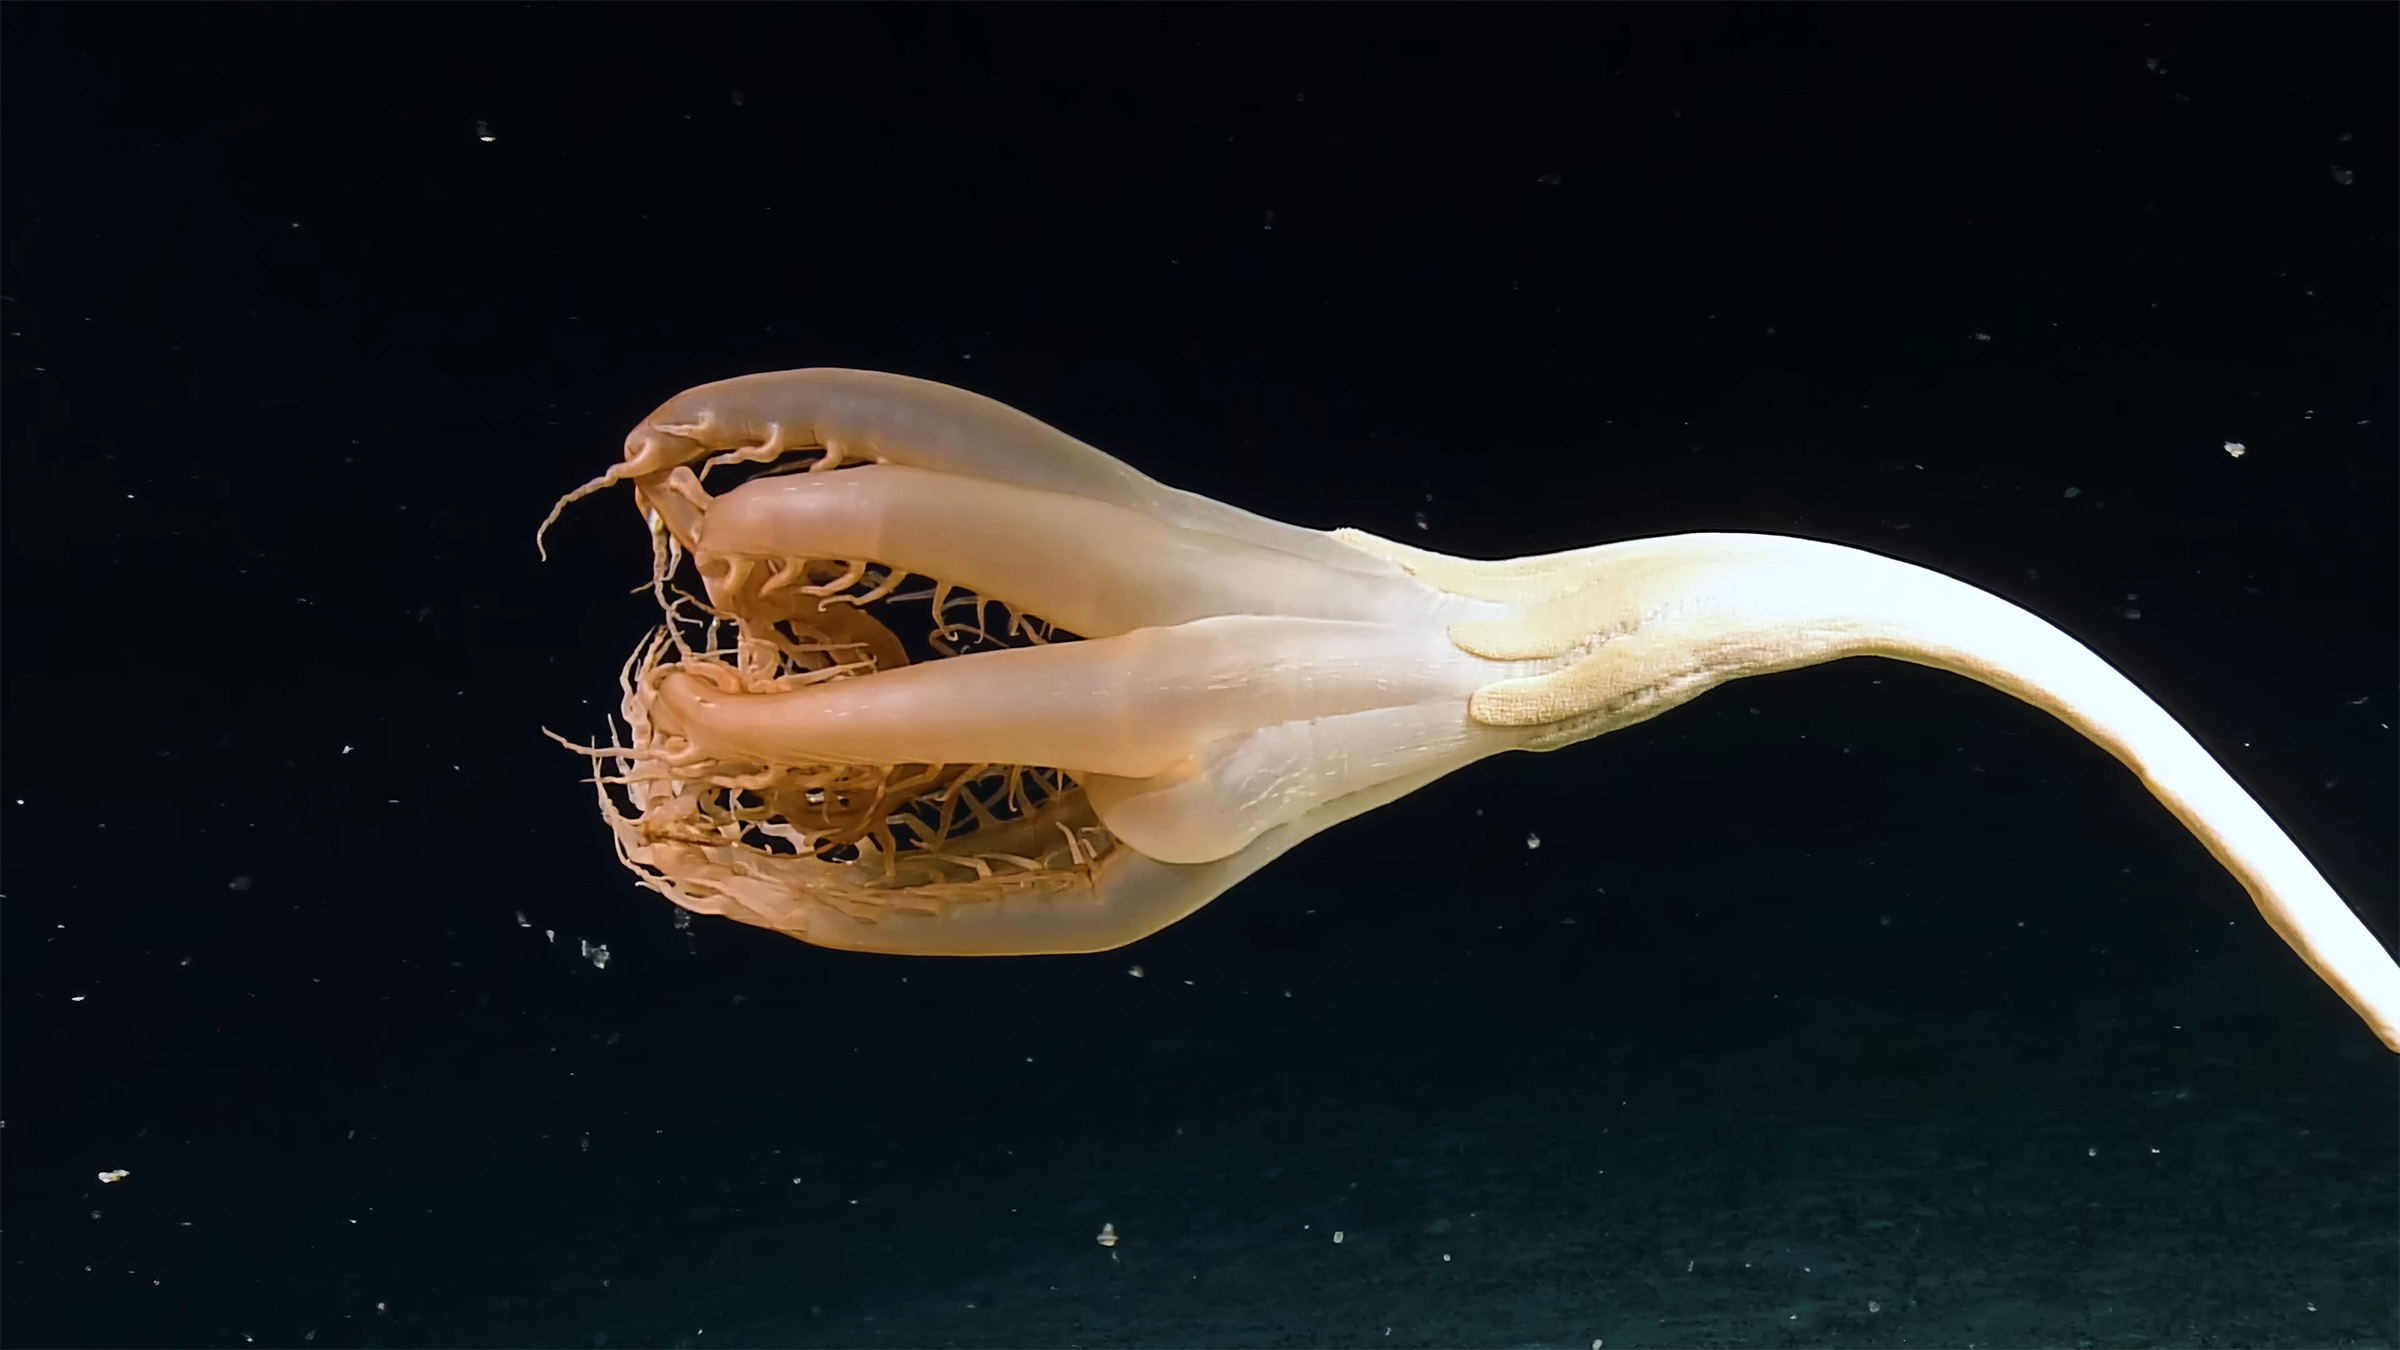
(1107, 701)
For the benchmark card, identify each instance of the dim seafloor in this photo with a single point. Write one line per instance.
(1439, 1176)
(1414, 1159)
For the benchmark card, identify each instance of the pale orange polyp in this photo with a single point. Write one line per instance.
(1182, 690)
(1101, 568)
(1131, 705)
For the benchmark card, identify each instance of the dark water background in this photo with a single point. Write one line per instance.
(1851, 1006)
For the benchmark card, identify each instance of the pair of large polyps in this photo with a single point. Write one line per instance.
(1234, 684)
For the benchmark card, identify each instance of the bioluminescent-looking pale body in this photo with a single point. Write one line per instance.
(1233, 684)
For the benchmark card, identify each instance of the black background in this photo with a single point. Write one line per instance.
(312, 311)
